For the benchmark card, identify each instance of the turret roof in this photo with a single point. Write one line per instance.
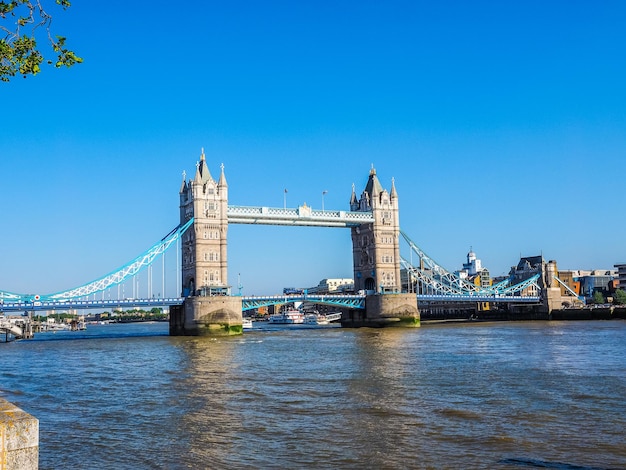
(373, 187)
(202, 172)
(222, 181)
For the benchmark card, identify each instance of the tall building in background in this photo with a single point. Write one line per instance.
(621, 275)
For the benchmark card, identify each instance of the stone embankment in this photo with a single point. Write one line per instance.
(592, 313)
(19, 438)
(528, 313)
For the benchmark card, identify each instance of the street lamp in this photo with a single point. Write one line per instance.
(285, 199)
(323, 193)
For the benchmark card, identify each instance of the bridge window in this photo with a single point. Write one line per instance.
(214, 277)
(386, 218)
(211, 256)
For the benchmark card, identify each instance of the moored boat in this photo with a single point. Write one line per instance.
(287, 317)
(316, 319)
(246, 323)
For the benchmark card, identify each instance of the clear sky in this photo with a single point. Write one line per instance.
(503, 124)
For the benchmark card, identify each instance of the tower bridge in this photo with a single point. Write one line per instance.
(373, 220)
(206, 305)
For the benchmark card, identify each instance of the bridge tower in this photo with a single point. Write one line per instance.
(208, 308)
(376, 259)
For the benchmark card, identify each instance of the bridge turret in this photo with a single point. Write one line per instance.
(376, 257)
(204, 247)
(354, 202)
(376, 246)
(208, 307)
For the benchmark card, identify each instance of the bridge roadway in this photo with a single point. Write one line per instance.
(87, 304)
(354, 301)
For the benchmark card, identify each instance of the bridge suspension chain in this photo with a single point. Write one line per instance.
(438, 275)
(116, 277)
(129, 269)
(436, 279)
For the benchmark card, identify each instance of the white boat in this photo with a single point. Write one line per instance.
(288, 317)
(246, 323)
(316, 319)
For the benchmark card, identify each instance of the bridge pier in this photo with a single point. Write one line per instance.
(386, 310)
(551, 292)
(207, 316)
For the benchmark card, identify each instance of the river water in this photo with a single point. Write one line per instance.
(503, 395)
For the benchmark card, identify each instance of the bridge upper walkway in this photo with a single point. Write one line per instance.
(301, 216)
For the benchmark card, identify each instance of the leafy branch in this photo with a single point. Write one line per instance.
(19, 53)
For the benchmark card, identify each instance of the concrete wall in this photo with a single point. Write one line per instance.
(608, 313)
(19, 438)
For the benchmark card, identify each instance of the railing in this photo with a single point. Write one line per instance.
(75, 304)
(339, 300)
(301, 216)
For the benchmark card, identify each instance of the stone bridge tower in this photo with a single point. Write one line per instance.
(204, 263)
(375, 247)
(208, 307)
(376, 259)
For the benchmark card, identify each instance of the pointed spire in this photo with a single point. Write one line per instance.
(198, 177)
(354, 203)
(202, 173)
(394, 194)
(183, 186)
(373, 187)
(353, 196)
(222, 181)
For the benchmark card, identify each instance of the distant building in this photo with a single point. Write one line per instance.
(589, 285)
(570, 279)
(621, 275)
(474, 272)
(473, 264)
(332, 286)
(527, 267)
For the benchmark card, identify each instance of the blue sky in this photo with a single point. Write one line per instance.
(503, 124)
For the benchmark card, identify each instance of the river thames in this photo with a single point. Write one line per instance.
(509, 395)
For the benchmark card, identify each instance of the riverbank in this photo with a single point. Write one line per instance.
(530, 314)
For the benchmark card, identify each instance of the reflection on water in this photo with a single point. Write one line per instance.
(502, 395)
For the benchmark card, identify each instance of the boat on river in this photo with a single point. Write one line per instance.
(316, 318)
(246, 323)
(287, 317)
